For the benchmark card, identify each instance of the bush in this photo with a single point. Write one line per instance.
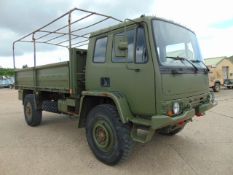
(7, 72)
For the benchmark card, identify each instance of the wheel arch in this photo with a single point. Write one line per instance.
(217, 81)
(90, 99)
(37, 97)
(23, 93)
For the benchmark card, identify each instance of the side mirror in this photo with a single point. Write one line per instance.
(121, 46)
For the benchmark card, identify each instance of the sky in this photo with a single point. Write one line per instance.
(212, 21)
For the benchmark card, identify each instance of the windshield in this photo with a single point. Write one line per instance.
(174, 42)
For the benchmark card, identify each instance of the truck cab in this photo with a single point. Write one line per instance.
(161, 75)
(135, 78)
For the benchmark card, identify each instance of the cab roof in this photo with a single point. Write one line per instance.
(128, 22)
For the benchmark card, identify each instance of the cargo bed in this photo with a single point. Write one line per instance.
(51, 77)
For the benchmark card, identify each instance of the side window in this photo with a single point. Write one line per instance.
(100, 50)
(131, 40)
(141, 52)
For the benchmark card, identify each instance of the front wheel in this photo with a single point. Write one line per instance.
(216, 87)
(108, 138)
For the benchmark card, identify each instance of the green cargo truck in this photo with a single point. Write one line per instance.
(135, 78)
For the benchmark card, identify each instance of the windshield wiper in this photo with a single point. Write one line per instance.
(199, 61)
(184, 59)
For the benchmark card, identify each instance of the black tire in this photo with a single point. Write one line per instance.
(103, 125)
(32, 115)
(169, 131)
(216, 87)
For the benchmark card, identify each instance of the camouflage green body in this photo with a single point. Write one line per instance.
(142, 94)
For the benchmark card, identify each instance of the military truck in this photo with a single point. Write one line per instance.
(135, 78)
(215, 79)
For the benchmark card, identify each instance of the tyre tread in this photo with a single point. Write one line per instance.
(123, 133)
(36, 114)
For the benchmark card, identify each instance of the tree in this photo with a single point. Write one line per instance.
(7, 72)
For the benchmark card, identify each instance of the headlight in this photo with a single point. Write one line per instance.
(176, 108)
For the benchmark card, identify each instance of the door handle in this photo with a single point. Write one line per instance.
(130, 67)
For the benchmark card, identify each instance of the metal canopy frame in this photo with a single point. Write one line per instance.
(68, 38)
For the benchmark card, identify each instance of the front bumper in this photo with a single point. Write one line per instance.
(160, 121)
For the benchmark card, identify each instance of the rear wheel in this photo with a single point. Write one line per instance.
(32, 115)
(107, 137)
(216, 87)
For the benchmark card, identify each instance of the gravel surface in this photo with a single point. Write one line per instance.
(58, 147)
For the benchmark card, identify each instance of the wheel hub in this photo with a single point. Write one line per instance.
(103, 135)
(28, 110)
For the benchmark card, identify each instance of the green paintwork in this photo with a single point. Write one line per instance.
(77, 70)
(63, 104)
(51, 77)
(142, 94)
(142, 137)
(138, 87)
(169, 82)
(121, 45)
(119, 100)
(157, 122)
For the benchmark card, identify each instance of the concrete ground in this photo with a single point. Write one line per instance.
(57, 146)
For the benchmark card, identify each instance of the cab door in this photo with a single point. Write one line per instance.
(133, 75)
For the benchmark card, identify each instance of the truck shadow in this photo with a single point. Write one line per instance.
(162, 154)
(53, 119)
